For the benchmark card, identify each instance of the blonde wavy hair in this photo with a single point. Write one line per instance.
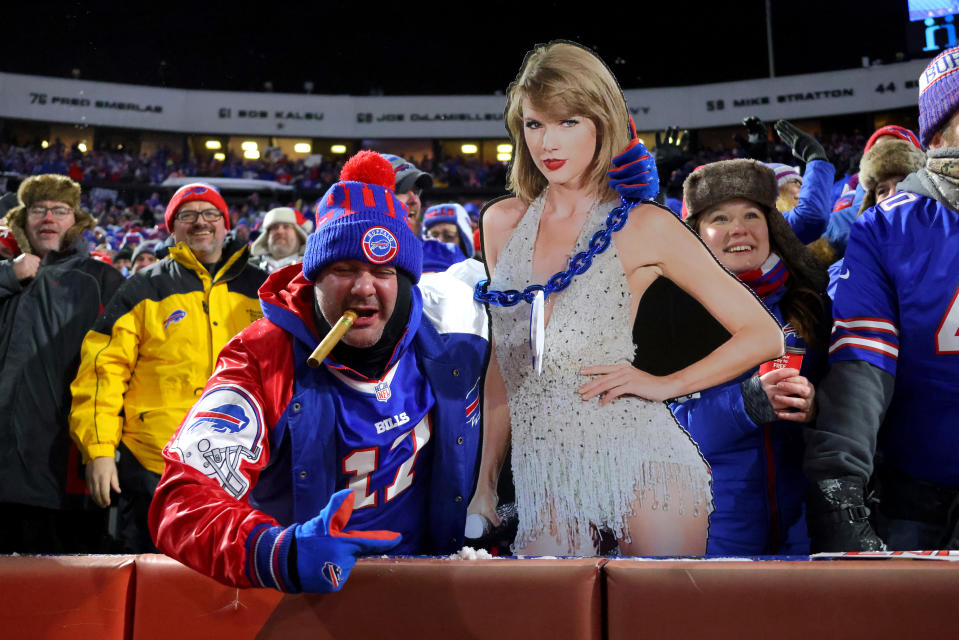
(562, 79)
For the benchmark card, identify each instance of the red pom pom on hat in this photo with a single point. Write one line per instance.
(371, 168)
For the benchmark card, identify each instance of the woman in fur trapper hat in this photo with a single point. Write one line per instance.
(747, 427)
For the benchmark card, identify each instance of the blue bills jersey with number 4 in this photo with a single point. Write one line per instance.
(896, 308)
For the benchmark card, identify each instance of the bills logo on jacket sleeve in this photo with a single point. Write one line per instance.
(224, 428)
(473, 405)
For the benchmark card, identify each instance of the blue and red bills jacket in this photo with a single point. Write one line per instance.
(259, 450)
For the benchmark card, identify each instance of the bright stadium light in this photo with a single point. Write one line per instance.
(82, 147)
(251, 154)
(249, 145)
(338, 148)
(302, 147)
(504, 157)
(213, 145)
(504, 148)
(469, 148)
(45, 144)
(219, 156)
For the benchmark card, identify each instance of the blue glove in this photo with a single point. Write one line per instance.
(325, 553)
(633, 172)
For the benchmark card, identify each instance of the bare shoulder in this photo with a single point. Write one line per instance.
(498, 220)
(503, 214)
(651, 217)
(650, 230)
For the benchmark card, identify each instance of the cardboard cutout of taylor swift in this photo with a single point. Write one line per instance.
(595, 451)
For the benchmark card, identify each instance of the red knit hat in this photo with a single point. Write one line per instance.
(893, 130)
(191, 192)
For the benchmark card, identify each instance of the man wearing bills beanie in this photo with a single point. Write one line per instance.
(277, 458)
(887, 408)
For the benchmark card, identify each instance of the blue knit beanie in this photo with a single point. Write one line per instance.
(360, 218)
(938, 93)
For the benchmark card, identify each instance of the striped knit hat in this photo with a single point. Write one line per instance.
(938, 93)
(784, 173)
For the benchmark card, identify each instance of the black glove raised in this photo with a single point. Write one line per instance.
(837, 517)
(804, 146)
(756, 144)
(755, 128)
(672, 150)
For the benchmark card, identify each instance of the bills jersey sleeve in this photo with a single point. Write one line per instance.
(865, 305)
(896, 308)
(200, 514)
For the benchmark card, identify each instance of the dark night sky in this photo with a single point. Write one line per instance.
(427, 48)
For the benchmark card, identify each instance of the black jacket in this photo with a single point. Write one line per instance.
(42, 323)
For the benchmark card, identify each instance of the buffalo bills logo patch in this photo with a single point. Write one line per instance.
(223, 430)
(173, 318)
(227, 418)
(333, 574)
(196, 191)
(379, 245)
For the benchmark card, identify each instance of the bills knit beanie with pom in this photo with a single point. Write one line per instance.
(360, 218)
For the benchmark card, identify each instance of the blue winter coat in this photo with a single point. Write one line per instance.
(758, 484)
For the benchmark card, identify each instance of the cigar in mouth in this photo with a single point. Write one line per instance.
(336, 333)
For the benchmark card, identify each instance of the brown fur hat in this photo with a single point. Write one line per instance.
(53, 187)
(889, 158)
(720, 181)
(884, 160)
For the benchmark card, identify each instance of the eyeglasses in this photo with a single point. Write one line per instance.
(37, 211)
(189, 217)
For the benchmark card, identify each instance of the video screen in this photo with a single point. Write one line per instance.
(922, 9)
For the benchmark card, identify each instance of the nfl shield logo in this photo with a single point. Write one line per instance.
(382, 392)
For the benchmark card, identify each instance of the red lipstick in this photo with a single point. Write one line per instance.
(553, 165)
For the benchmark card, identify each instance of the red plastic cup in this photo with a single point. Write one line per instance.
(789, 360)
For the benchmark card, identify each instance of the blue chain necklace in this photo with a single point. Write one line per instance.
(578, 265)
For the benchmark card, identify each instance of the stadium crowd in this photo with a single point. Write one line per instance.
(305, 174)
(114, 314)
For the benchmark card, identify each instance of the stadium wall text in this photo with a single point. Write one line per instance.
(88, 103)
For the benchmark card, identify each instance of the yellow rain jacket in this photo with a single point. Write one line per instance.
(149, 355)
